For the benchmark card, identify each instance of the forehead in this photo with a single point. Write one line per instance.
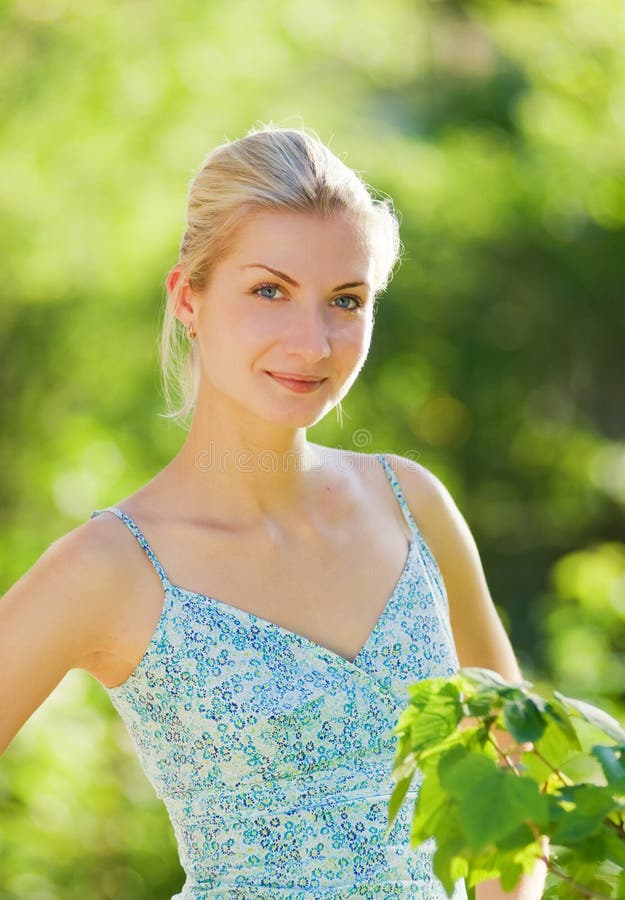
(303, 242)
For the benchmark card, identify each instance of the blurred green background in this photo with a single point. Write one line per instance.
(499, 130)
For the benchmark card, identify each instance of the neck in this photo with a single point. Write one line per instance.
(248, 469)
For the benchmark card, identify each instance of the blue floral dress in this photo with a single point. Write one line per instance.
(273, 754)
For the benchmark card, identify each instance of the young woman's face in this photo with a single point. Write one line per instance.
(292, 298)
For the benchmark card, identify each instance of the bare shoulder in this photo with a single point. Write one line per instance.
(60, 614)
(438, 517)
(430, 502)
(90, 555)
(480, 637)
(78, 580)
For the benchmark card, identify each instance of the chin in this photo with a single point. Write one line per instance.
(300, 418)
(299, 421)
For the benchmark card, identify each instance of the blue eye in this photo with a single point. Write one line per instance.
(270, 291)
(356, 300)
(267, 287)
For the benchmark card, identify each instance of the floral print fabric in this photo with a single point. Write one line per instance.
(273, 754)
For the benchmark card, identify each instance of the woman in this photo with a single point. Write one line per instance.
(262, 659)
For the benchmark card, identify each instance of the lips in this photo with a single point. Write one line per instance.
(293, 376)
(295, 382)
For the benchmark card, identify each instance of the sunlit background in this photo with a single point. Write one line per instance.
(498, 359)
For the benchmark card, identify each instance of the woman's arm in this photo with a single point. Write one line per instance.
(479, 635)
(52, 620)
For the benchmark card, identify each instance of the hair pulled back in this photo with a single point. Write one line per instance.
(268, 169)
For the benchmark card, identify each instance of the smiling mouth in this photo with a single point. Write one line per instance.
(298, 383)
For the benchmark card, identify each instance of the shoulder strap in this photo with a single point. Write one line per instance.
(139, 536)
(398, 493)
(425, 550)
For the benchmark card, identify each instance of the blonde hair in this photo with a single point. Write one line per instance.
(268, 169)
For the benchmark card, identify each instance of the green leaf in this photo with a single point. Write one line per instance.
(510, 876)
(523, 719)
(592, 804)
(492, 802)
(534, 767)
(602, 888)
(434, 810)
(423, 690)
(482, 868)
(493, 862)
(582, 872)
(439, 714)
(614, 848)
(595, 716)
(452, 757)
(566, 891)
(397, 798)
(518, 839)
(483, 702)
(557, 713)
(405, 768)
(405, 720)
(448, 866)
(556, 745)
(612, 761)
(488, 678)
(605, 845)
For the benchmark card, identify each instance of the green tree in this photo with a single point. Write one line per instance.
(498, 129)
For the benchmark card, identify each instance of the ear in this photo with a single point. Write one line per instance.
(181, 293)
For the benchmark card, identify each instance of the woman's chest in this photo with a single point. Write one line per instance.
(330, 589)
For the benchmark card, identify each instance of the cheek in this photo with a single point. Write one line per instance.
(254, 324)
(261, 328)
(238, 328)
(247, 326)
(357, 336)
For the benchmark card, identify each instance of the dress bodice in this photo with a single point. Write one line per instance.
(273, 754)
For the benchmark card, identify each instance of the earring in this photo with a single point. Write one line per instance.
(192, 331)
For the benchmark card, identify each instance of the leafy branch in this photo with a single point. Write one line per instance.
(490, 792)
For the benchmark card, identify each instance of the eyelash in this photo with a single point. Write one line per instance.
(271, 284)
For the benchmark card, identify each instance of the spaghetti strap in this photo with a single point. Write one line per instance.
(139, 536)
(399, 494)
(425, 549)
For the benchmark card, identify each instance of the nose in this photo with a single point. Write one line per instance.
(307, 336)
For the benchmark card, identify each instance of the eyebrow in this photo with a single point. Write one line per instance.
(294, 283)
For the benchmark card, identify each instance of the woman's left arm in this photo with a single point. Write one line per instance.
(479, 634)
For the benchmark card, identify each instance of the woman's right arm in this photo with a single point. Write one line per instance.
(55, 618)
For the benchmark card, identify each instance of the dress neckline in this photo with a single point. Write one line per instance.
(174, 591)
(299, 638)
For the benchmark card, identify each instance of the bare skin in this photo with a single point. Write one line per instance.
(250, 512)
(326, 578)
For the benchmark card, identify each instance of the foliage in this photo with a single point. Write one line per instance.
(489, 813)
(584, 622)
(499, 130)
